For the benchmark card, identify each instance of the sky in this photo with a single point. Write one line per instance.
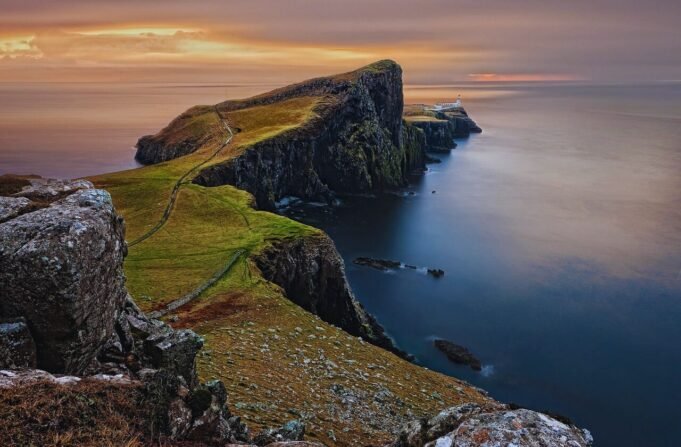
(260, 41)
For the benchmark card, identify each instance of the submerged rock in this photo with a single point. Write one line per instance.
(378, 264)
(458, 354)
(436, 273)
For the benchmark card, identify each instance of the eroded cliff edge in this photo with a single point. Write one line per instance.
(357, 142)
(312, 274)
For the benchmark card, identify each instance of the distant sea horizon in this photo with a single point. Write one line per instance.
(558, 228)
(94, 126)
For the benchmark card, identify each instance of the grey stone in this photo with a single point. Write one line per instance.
(17, 348)
(471, 425)
(61, 267)
(291, 431)
(11, 207)
(175, 351)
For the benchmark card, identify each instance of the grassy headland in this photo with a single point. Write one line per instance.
(278, 361)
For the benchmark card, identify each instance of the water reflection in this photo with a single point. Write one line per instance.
(559, 229)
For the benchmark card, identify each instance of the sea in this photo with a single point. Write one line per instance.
(558, 229)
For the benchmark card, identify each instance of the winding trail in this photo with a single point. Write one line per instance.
(181, 301)
(180, 182)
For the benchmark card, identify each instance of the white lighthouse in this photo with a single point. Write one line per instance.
(445, 106)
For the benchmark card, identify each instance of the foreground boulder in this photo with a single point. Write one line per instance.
(61, 268)
(471, 425)
(65, 309)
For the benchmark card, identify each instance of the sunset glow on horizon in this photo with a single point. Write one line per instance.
(435, 41)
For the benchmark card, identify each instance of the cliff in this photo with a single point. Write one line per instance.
(441, 128)
(312, 274)
(355, 143)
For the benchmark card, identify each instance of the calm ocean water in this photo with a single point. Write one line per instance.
(559, 229)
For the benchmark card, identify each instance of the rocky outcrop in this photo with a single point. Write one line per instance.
(471, 425)
(61, 268)
(439, 134)
(441, 129)
(378, 264)
(414, 144)
(65, 309)
(462, 124)
(458, 354)
(312, 275)
(292, 431)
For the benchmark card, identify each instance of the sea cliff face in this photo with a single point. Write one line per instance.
(441, 128)
(357, 143)
(312, 274)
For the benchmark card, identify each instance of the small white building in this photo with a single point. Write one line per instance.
(444, 106)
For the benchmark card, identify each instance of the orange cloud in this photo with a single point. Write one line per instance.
(521, 77)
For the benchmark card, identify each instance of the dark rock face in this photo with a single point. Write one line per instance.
(439, 134)
(462, 124)
(414, 145)
(61, 268)
(441, 131)
(312, 274)
(358, 142)
(17, 348)
(471, 425)
(458, 354)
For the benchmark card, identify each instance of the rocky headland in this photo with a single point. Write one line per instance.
(277, 330)
(440, 128)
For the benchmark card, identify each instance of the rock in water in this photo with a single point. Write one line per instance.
(436, 273)
(458, 354)
(378, 264)
(61, 267)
